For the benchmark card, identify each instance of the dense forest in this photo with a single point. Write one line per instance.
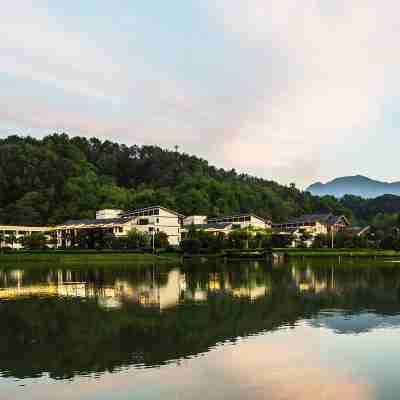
(50, 180)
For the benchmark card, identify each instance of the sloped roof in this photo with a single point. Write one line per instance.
(327, 218)
(107, 221)
(133, 212)
(211, 225)
(237, 216)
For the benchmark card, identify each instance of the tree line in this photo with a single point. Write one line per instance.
(50, 180)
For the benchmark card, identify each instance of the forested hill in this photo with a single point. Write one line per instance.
(59, 177)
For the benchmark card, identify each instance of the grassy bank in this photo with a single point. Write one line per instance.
(70, 258)
(261, 254)
(338, 253)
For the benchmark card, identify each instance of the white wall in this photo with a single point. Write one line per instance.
(108, 213)
(195, 220)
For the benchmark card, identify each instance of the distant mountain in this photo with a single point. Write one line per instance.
(356, 185)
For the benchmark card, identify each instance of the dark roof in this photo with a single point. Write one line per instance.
(129, 213)
(95, 221)
(211, 225)
(329, 219)
(235, 216)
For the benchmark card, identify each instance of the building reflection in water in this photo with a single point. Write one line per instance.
(158, 288)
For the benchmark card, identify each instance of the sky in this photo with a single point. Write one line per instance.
(286, 90)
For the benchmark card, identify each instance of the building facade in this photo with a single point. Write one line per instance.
(306, 228)
(146, 220)
(224, 224)
(12, 235)
(314, 224)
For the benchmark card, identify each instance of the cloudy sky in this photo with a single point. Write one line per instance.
(295, 91)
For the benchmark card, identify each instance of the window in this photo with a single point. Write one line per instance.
(120, 229)
(143, 221)
(158, 229)
(151, 229)
(157, 220)
(156, 212)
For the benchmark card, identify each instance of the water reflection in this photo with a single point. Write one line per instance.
(159, 287)
(56, 320)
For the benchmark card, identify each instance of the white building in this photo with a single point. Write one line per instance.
(225, 224)
(242, 221)
(150, 220)
(13, 234)
(195, 220)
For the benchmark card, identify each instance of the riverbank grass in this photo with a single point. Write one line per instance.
(88, 258)
(337, 252)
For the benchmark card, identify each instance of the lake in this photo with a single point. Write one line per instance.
(306, 329)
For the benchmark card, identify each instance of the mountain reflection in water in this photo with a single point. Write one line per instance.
(68, 323)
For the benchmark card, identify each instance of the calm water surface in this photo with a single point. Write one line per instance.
(303, 330)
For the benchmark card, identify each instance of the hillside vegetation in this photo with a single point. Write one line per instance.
(49, 180)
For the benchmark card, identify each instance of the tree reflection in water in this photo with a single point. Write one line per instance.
(69, 323)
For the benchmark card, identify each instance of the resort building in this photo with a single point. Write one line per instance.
(150, 220)
(304, 229)
(12, 235)
(314, 224)
(224, 224)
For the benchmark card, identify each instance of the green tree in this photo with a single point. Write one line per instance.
(11, 239)
(161, 240)
(320, 241)
(239, 238)
(137, 240)
(191, 245)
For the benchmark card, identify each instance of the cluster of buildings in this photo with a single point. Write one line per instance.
(175, 225)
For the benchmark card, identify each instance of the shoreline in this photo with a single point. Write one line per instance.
(81, 257)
